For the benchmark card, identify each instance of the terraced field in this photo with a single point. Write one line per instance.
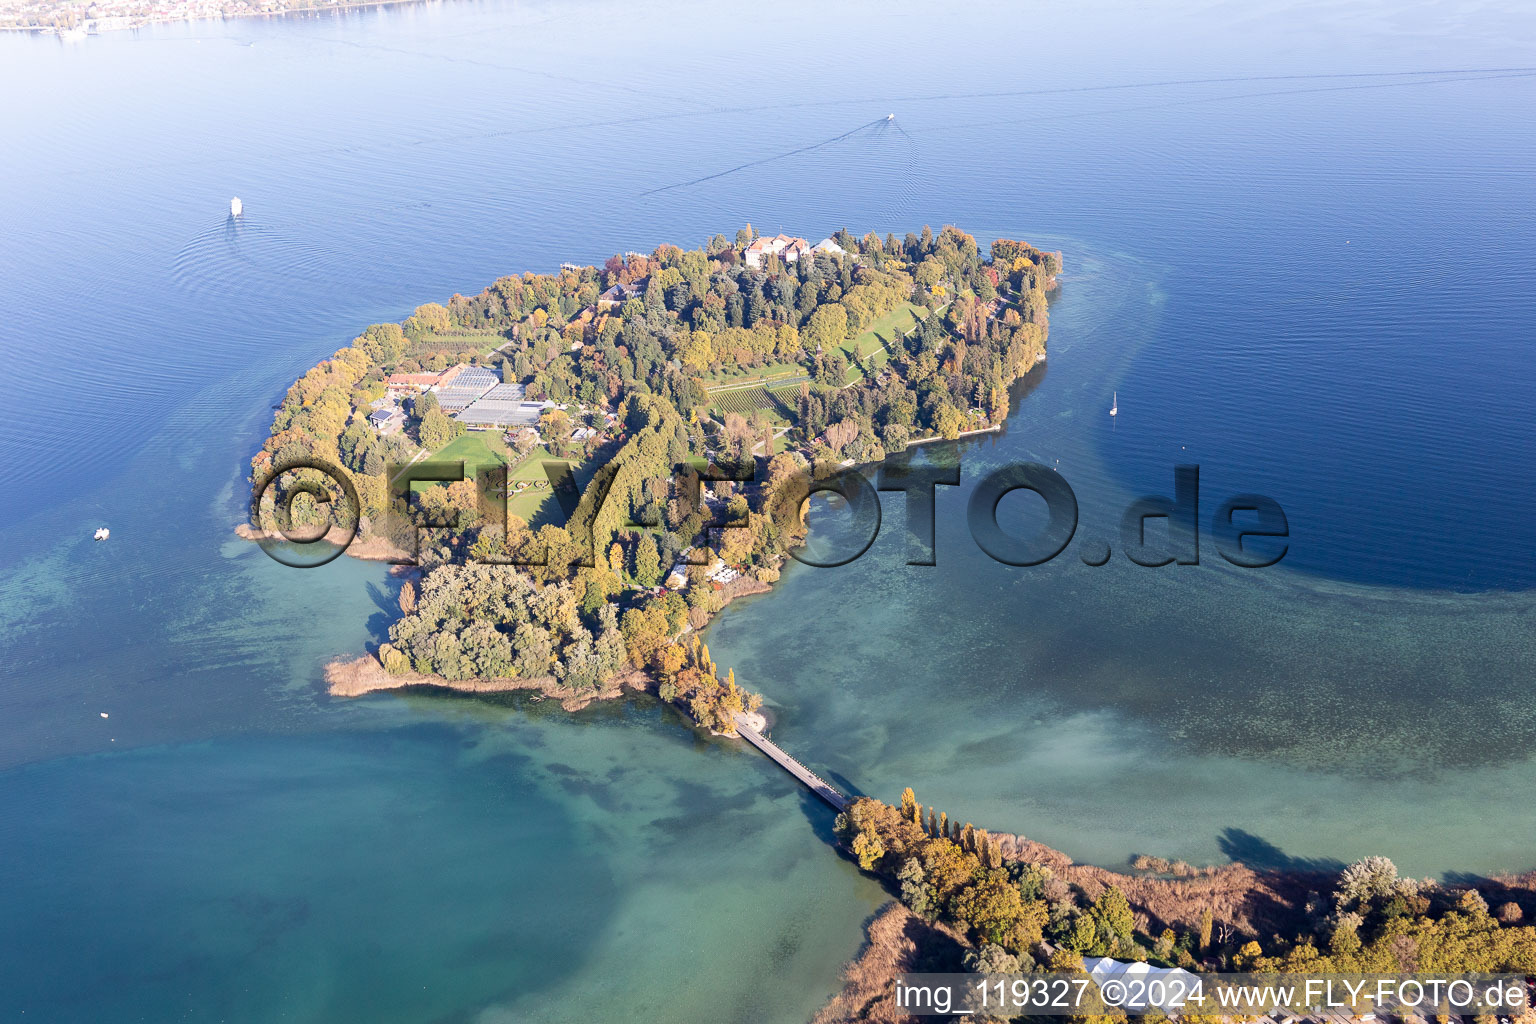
(744, 401)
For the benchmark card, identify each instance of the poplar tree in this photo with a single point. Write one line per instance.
(647, 562)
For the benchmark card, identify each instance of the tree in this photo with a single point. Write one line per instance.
(1345, 940)
(555, 426)
(990, 906)
(647, 561)
(1244, 960)
(1113, 912)
(431, 318)
(948, 421)
(1365, 881)
(868, 848)
(1206, 921)
(437, 430)
(1084, 936)
(827, 328)
(992, 959)
(916, 893)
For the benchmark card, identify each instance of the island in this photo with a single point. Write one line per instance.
(630, 437)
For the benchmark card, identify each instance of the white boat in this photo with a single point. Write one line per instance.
(235, 207)
(890, 117)
(102, 533)
(1114, 410)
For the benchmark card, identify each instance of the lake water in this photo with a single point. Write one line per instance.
(1299, 245)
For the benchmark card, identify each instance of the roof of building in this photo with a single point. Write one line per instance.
(469, 384)
(412, 380)
(473, 376)
(489, 412)
(619, 292)
(504, 393)
(792, 248)
(1168, 997)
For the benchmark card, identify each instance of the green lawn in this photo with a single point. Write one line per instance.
(482, 448)
(874, 345)
(884, 331)
(478, 449)
(528, 505)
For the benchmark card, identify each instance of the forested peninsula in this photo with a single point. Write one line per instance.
(611, 418)
(1002, 905)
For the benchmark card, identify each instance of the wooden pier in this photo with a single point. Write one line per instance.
(812, 781)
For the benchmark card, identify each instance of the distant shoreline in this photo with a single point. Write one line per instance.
(123, 23)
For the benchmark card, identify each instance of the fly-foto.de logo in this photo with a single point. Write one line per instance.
(1247, 530)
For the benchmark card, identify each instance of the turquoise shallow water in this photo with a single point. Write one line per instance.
(1198, 712)
(414, 872)
(1297, 246)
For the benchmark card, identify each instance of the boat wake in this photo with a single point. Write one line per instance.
(241, 253)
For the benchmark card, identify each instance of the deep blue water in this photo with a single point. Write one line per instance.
(1298, 242)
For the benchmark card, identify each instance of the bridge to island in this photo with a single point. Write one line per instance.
(815, 783)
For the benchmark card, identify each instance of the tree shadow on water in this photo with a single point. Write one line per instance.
(1263, 855)
(387, 601)
(819, 815)
(842, 782)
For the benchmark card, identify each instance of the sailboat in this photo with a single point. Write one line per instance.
(1114, 410)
